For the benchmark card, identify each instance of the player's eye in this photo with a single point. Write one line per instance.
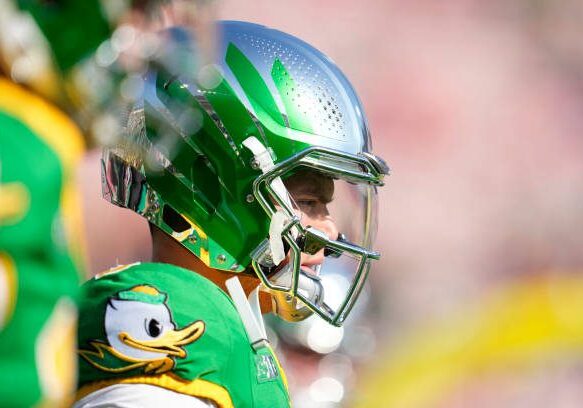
(307, 205)
(153, 327)
(313, 208)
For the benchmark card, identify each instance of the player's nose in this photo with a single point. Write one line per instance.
(328, 226)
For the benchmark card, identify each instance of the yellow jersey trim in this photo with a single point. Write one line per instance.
(197, 388)
(10, 279)
(14, 202)
(48, 122)
(114, 269)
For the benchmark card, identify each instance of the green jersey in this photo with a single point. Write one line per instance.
(39, 150)
(163, 325)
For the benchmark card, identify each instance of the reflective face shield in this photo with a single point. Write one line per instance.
(327, 222)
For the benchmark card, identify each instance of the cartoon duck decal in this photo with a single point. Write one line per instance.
(140, 334)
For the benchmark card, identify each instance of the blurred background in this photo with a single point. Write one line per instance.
(478, 298)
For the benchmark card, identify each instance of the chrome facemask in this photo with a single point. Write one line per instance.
(330, 288)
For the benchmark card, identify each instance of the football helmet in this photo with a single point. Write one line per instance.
(213, 152)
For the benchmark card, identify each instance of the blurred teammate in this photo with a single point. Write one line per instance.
(41, 46)
(255, 170)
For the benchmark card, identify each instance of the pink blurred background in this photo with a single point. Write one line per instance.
(478, 108)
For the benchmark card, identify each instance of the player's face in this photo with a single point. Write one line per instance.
(312, 193)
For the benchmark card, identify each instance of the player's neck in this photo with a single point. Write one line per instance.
(166, 250)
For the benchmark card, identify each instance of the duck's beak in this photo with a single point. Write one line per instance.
(170, 342)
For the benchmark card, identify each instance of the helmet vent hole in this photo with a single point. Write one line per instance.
(174, 220)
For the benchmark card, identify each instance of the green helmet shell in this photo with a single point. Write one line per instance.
(197, 179)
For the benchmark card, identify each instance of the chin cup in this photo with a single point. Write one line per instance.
(289, 307)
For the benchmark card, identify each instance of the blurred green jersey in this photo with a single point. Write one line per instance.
(39, 250)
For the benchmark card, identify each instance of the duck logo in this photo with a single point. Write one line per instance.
(140, 334)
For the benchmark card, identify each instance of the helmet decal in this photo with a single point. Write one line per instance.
(253, 85)
(287, 86)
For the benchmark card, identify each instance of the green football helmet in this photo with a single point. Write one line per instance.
(211, 150)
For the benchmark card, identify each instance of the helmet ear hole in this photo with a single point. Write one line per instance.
(174, 220)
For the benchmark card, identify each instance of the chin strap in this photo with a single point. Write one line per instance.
(278, 221)
(250, 312)
(280, 218)
(309, 286)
